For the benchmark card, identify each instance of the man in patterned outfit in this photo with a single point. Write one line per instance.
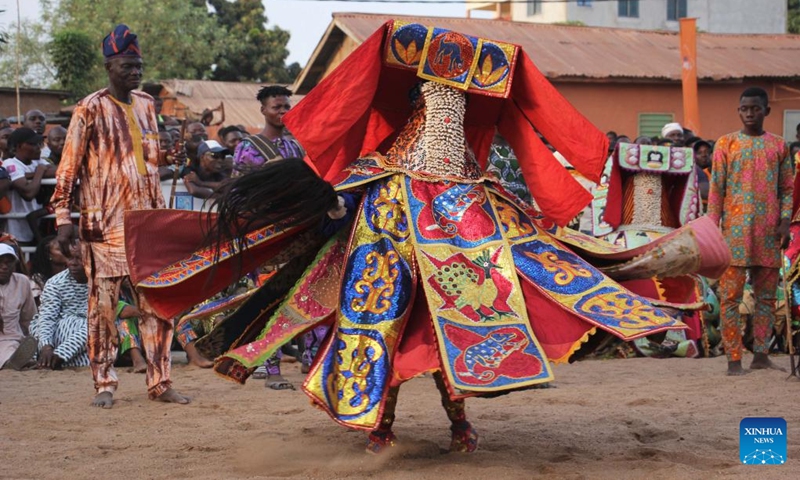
(751, 200)
(112, 149)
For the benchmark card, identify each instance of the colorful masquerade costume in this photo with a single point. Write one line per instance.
(648, 200)
(439, 271)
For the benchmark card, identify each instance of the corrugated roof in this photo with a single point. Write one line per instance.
(241, 107)
(594, 52)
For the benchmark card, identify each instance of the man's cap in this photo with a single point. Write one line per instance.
(121, 42)
(671, 127)
(212, 146)
(701, 143)
(6, 249)
(24, 135)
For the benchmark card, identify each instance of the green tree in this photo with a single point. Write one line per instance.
(793, 17)
(178, 38)
(35, 68)
(3, 36)
(76, 60)
(252, 51)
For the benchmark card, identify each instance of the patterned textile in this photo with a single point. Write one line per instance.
(751, 192)
(112, 149)
(121, 42)
(462, 61)
(731, 289)
(504, 166)
(103, 341)
(313, 299)
(129, 336)
(61, 321)
(247, 155)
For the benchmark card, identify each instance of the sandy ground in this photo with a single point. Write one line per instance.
(636, 418)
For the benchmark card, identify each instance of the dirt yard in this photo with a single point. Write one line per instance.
(612, 419)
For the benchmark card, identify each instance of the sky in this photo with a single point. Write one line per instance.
(305, 20)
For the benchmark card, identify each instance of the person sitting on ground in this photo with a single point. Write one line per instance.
(26, 147)
(17, 309)
(186, 333)
(130, 340)
(61, 324)
(46, 261)
(204, 177)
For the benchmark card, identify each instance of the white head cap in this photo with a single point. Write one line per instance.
(669, 128)
(6, 249)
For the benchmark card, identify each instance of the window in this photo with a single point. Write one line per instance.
(650, 124)
(676, 9)
(584, 3)
(534, 7)
(628, 8)
(791, 118)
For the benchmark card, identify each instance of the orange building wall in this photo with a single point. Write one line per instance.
(616, 106)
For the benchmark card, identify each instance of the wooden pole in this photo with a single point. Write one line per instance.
(16, 66)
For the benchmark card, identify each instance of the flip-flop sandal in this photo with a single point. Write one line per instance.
(24, 353)
(260, 373)
(280, 385)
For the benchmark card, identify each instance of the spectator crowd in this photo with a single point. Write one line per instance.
(43, 292)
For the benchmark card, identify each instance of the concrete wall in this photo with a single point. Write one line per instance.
(730, 16)
(747, 16)
(616, 106)
(552, 12)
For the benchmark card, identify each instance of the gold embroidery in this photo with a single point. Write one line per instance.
(382, 268)
(356, 358)
(565, 272)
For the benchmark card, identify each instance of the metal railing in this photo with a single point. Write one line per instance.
(183, 201)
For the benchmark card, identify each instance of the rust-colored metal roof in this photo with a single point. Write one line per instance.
(614, 53)
(241, 107)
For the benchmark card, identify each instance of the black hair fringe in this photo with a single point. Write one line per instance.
(283, 193)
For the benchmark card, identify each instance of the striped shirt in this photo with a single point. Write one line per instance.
(61, 322)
